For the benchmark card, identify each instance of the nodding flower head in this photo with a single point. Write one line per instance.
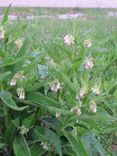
(13, 81)
(44, 145)
(20, 93)
(17, 77)
(92, 106)
(1, 33)
(55, 85)
(88, 63)
(96, 90)
(69, 39)
(82, 93)
(24, 130)
(76, 110)
(87, 43)
(58, 114)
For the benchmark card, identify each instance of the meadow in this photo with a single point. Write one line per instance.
(59, 85)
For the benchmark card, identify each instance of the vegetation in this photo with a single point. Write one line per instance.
(58, 86)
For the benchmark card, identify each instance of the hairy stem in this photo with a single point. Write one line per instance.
(6, 111)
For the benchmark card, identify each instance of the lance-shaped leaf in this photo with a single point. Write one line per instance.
(6, 97)
(20, 146)
(4, 75)
(38, 100)
(5, 17)
(76, 144)
(9, 61)
(47, 134)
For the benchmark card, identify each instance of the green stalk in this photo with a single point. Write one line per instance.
(6, 112)
(6, 115)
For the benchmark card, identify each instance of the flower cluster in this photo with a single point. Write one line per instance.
(96, 90)
(17, 77)
(44, 145)
(69, 39)
(92, 106)
(58, 114)
(55, 86)
(88, 63)
(87, 43)
(82, 93)
(76, 110)
(24, 130)
(20, 93)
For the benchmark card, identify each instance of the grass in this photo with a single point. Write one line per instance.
(97, 26)
(97, 22)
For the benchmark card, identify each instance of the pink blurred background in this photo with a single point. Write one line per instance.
(61, 3)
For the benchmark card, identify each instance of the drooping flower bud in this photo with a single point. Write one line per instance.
(23, 130)
(92, 106)
(13, 82)
(17, 77)
(69, 39)
(88, 63)
(83, 92)
(44, 145)
(55, 86)
(76, 110)
(96, 90)
(21, 93)
(58, 114)
(87, 43)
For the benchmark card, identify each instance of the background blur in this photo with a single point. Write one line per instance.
(61, 3)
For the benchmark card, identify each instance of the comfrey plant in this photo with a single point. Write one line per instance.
(52, 101)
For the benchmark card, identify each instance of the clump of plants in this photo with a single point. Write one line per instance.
(56, 101)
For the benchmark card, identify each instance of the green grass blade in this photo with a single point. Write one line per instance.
(5, 17)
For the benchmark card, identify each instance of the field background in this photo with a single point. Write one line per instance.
(62, 3)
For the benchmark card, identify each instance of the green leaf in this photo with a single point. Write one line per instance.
(43, 70)
(54, 139)
(48, 134)
(37, 150)
(22, 50)
(76, 144)
(2, 146)
(16, 122)
(5, 17)
(9, 61)
(93, 145)
(92, 124)
(67, 81)
(109, 130)
(10, 134)
(20, 146)
(6, 97)
(51, 122)
(38, 100)
(4, 75)
(29, 121)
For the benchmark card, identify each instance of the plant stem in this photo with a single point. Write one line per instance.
(6, 115)
(6, 112)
